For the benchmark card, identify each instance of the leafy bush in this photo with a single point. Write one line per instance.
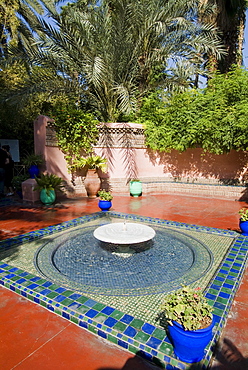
(215, 118)
(188, 307)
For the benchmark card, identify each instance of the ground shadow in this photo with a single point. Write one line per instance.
(229, 357)
(138, 362)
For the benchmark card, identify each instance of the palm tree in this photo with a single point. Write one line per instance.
(13, 14)
(229, 18)
(110, 54)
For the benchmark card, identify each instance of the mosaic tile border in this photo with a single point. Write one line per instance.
(118, 327)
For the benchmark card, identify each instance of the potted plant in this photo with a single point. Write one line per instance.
(104, 202)
(92, 165)
(33, 161)
(243, 221)
(135, 187)
(48, 184)
(189, 322)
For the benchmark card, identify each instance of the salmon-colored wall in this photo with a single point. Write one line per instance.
(126, 163)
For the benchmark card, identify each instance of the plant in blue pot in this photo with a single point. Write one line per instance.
(243, 221)
(32, 162)
(189, 320)
(48, 184)
(105, 198)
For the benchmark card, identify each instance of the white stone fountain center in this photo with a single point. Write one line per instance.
(124, 233)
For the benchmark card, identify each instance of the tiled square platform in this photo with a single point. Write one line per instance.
(111, 321)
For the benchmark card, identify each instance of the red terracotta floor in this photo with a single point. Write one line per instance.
(33, 338)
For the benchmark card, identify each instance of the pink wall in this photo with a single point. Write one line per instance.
(143, 163)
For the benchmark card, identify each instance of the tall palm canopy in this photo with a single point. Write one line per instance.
(110, 54)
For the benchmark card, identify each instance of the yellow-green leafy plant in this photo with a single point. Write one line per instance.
(105, 195)
(243, 213)
(188, 307)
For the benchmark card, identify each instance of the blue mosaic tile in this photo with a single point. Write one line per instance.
(28, 285)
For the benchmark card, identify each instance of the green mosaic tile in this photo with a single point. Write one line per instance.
(14, 278)
(137, 323)
(54, 287)
(166, 348)
(92, 329)
(42, 303)
(58, 311)
(74, 319)
(52, 295)
(83, 309)
(159, 333)
(67, 301)
(99, 306)
(120, 326)
(226, 290)
(231, 282)
(222, 300)
(235, 274)
(112, 339)
(133, 349)
(142, 337)
(101, 317)
(145, 309)
(148, 349)
(82, 299)
(217, 311)
(67, 293)
(117, 314)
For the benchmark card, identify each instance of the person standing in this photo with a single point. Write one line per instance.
(3, 161)
(9, 171)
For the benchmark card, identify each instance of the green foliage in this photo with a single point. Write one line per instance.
(49, 182)
(18, 180)
(112, 54)
(243, 213)
(76, 131)
(188, 307)
(90, 163)
(105, 195)
(33, 159)
(215, 118)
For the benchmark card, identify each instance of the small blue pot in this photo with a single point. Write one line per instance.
(189, 345)
(104, 205)
(33, 171)
(244, 227)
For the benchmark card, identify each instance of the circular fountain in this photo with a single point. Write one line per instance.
(124, 233)
(120, 258)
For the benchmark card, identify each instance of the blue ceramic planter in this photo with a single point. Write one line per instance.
(104, 205)
(244, 227)
(189, 345)
(33, 171)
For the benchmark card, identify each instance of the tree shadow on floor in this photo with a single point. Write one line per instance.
(228, 357)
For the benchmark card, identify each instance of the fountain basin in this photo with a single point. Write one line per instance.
(124, 233)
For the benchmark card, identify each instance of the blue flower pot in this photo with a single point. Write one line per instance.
(33, 171)
(104, 205)
(189, 345)
(244, 227)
